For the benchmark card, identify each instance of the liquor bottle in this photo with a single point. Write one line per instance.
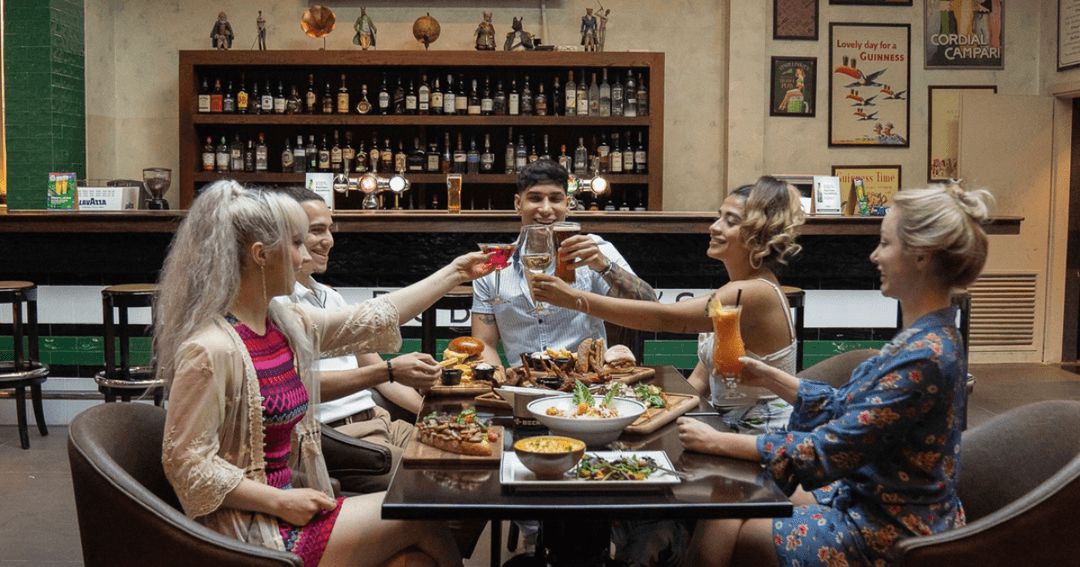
(498, 104)
(292, 106)
(603, 153)
(640, 206)
(208, 156)
(255, 103)
(386, 158)
(249, 156)
(617, 97)
(510, 151)
(447, 155)
(221, 156)
(564, 160)
(348, 153)
(527, 108)
(374, 159)
(630, 104)
(436, 98)
(594, 97)
(228, 103)
(267, 102)
(423, 96)
(460, 157)
(640, 155)
(311, 99)
(335, 153)
(242, 100)
(533, 156)
(236, 154)
(487, 159)
(216, 97)
(581, 158)
(521, 155)
(473, 103)
(324, 155)
(287, 157)
(261, 154)
(364, 106)
(541, 101)
(343, 97)
(299, 160)
(384, 97)
(546, 153)
(605, 96)
(582, 96)
(642, 97)
(487, 104)
(401, 159)
(513, 99)
(412, 99)
(417, 158)
(616, 158)
(472, 159)
(461, 100)
(449, 98)
(204, 96)
(434, 164)
(279, 100)
(399, 102)
(623, 204)
(327, 99)
(311, 155)
(570, 108)
(628, 155)
(361, 159)
(555, 106)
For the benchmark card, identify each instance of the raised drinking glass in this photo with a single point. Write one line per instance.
(727, 348)
(500, 258)
(561, 231)
(537, 254)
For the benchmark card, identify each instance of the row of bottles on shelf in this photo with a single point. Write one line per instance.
(619, 156)
(619, 98)
(479, 198)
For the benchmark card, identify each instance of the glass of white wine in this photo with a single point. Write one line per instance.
(537, 254)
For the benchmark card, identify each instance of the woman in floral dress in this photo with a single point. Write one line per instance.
(880, 456)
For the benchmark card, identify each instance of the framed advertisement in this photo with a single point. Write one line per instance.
(943, 150)
(793, 86)
(1068, 36)
(795, 19)
(879, 184)
(868, 86)
(871, 2)
(964, 35)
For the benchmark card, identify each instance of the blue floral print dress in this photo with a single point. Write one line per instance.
(881, 453)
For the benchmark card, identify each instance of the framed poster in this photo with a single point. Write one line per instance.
(964, 34)
(868, 86)
(793, 86)
(1068, 37)
(943, 150)
(879, 183)
(795, 19)
(871, 2)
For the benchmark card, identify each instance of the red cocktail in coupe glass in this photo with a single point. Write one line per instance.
(500, 258)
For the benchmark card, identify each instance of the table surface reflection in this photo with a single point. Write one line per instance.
(720, 487)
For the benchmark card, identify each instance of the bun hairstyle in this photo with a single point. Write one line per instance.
(773, 215)
(945, 220)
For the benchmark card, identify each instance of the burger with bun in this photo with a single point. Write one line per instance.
(618, 358)
(463, 350)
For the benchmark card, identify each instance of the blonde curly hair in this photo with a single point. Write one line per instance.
(771, 222)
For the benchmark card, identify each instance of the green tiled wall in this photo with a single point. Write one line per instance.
(45, 95)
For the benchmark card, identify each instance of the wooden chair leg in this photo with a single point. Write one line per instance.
(20, 412)
(39, 409)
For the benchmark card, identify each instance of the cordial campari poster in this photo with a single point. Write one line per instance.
(869, 74)
(964, 34)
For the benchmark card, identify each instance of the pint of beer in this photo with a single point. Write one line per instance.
(453, 192)
(561, 231)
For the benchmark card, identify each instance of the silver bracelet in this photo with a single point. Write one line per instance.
(607, 270)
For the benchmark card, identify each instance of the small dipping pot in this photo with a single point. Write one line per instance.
(451, 377)
(553, 382)
(536, 361)
(484, 372)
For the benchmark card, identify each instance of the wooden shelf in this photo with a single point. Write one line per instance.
(413, 120)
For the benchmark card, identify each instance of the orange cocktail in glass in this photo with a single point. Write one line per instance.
(727, 346)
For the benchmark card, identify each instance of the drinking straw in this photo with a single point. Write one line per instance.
(738, 296)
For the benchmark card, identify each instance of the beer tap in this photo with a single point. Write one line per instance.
(372, 185)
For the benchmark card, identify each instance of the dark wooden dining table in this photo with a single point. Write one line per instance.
(719, 487)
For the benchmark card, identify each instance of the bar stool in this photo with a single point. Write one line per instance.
(796, 298)
(458, 298)
(126, 380)
(25, 370)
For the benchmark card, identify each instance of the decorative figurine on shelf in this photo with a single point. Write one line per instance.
(222, 34)
(485, 34)
(518, 39)
(589, 30)
(601, 28)
(318, 22)
(426, 30)
(260, 28)
(365, 31)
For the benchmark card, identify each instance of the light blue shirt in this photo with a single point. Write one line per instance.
(563, 328)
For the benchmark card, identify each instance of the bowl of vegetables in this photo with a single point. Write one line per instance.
(596, 420)
(549, 456)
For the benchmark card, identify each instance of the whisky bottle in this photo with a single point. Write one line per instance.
(514, 99)
(343, 97)
(311, 155)
(617, 97)
(630, 104)
(328, 99)
(236, 154)
(628, 155)
(570, 108)
(411, 98)
(640, 155)
(261, 157)
(434, 164)
(603, 154)
(487, 104)
(510, 151)
(642, 97)
(364, 105)
(384, 97)
(216, 97)
(473, 103)
(287, 157)
(374, 159)
(401, 159)
(449, 98)
(564, 160)
(204, 96)
(521, 155)
(447, 162)
(267, 102)
(292, 106)
(348, 153)
(279, 100)
(487, 159)
(299, 162)
(460, 157)
(547, 153)
(533, 156)
(581, 158)
(221, 156)
(498, 104)
(582, 96)
(386, 158)
(594, 97)
(527, 108)
(324, 155)
(616, 158)
(361, 159)
(335, 153)
(208, 155)
(249, 156)
(243, 101)
(605, 96)
(436, 98)
(472, 159)
(423, 96)
(555, 106)
(228, 103)
(311, 99)
(417, 158)
(461, 100)
(640, 206)
(541, 104)
(255, 102)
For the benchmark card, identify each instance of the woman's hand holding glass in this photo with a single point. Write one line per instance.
(471, 266)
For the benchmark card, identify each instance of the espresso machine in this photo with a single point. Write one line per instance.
(157, 180)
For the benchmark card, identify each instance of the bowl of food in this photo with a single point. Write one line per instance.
(596, 420)
(549, 456)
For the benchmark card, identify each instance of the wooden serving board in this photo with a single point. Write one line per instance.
(655, 418)
(634, 375)
(417, 453)
(467, 389)
(492, 400)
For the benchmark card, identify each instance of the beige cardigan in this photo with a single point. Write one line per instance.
(214, 429)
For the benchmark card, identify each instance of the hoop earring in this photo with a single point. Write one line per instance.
(262, 270)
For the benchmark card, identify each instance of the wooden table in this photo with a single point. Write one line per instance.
(721, 487)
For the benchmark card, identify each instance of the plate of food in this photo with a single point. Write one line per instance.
(465, 354)
(461, 438)
(597, 471)
(591, 364)
(661, 407)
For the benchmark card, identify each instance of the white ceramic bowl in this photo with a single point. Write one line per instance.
(594, 431)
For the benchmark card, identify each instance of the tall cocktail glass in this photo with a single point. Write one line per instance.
(727, 348)
(500, 258)
(537, 254)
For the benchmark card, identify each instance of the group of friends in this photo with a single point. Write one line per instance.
(256, 355)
